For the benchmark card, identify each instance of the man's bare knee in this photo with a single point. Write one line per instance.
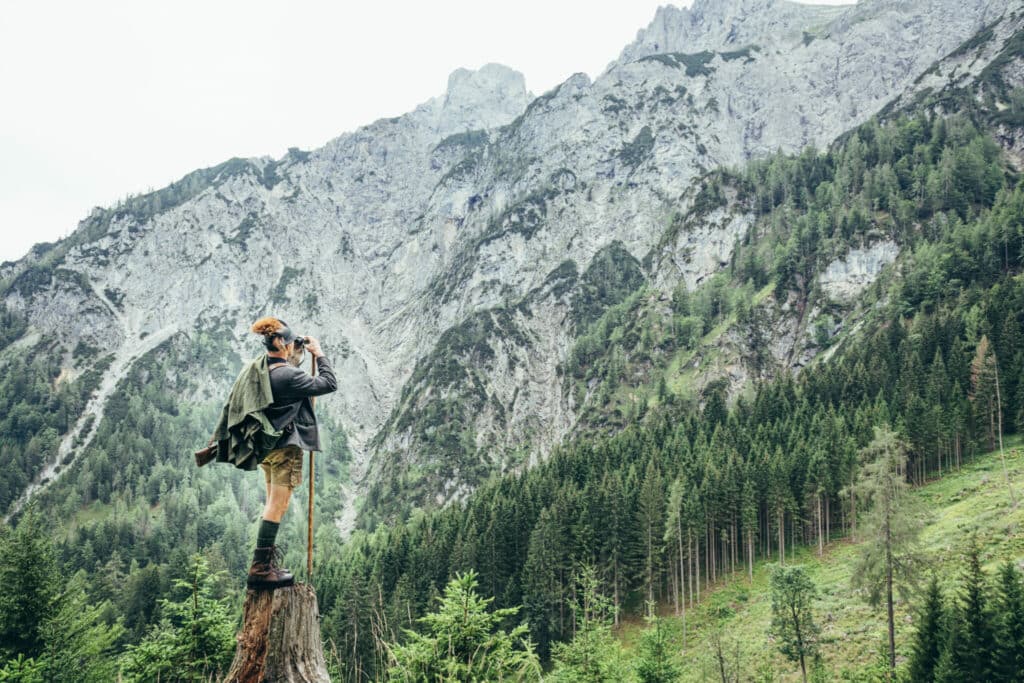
(277, 503)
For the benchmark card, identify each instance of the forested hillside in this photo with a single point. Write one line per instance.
(688, 489)
(733, 621)
(706, 465)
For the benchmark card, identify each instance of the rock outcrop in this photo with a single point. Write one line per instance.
(485, 201)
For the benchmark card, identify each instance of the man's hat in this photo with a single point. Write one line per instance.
(285, 333)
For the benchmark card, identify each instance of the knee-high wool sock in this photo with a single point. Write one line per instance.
(267, 533)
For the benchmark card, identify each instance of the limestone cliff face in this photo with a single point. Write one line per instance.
(714, 25)
(478, 216)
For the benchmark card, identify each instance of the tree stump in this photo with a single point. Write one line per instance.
(280, 638)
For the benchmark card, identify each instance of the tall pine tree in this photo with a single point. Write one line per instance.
(887, 559)
(1009, 625)
(970, 643)
(29, 576)
(930, 635)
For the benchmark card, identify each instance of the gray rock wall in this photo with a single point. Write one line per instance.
(388, 236)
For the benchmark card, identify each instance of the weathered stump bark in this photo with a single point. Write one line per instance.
(280, 638)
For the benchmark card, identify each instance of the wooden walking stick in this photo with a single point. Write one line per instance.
(309, 539)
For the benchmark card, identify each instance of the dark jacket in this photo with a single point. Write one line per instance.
(293, 389)
(242, 423)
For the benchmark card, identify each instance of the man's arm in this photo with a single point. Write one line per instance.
(299, 384)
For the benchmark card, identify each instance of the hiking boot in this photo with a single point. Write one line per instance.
(264, 572)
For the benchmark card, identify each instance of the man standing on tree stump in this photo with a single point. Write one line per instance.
(292, 413)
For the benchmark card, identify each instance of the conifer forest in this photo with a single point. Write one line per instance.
(857, 519)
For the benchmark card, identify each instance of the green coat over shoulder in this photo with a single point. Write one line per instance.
(244, 435)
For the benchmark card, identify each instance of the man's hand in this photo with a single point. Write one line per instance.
(313, 346)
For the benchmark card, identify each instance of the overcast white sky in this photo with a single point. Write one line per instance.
(101, 99)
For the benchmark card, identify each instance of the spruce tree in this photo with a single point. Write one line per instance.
(593, 655)
(970, 645)
(1009, 625)
(79, 643)
(615, 539)
(930, 635)
(749, 515)
(781, 499)
(987, 397)
(196, 638)
(462, 642)
(542, 581)
(650, 518)
(793, 594)
(977, 619)
(655, 662)
(950, 667)
(30, 580)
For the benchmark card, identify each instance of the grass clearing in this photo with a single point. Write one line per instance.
(972, 501)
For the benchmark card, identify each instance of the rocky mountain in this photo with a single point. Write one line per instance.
(450, 257)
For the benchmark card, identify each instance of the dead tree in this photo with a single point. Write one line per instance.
(280, 638)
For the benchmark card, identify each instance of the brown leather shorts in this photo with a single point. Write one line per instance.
(283, 467)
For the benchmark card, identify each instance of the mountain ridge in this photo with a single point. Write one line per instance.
(408, 227)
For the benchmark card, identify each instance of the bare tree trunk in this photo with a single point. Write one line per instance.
(573, 615)
(828, 519)
(734, 543)
(682, 580)
(719, 650)
(991, 426)
(709, 550)
(280, 638)
(821, 543)
(682, 575)
(355, 649)
(853, 514)
(650, 563)
(561, 603)
(673, 577)
(1002, 455)
(888, 592)
(792, 533)
(615, 618)
(782, 536)
(750, 554)
(697, 548)
(800, 642)
(690, 563)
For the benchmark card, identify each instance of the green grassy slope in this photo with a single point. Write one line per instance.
(975, 500)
